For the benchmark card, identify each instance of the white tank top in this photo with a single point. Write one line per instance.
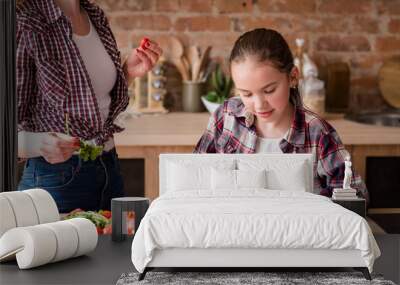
(264, 145)
(101, 70)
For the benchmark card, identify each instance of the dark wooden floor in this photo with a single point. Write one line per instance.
(106, 264)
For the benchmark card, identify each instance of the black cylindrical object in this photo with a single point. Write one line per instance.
(121, 209)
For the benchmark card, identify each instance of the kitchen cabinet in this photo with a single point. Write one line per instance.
(359, 154)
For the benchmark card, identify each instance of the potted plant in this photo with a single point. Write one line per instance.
(221, 89)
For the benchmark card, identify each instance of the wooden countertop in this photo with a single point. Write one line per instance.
(185, 129)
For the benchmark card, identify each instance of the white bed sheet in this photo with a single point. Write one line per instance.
(252, 218)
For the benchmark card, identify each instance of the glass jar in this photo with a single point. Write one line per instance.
(313, 93)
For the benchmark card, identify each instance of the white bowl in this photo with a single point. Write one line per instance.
(210, 106)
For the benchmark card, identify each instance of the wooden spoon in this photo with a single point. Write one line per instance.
(177, 47)
(201, 64)
(181, 68)
(177, 57)
(194, 57)
(186, 65)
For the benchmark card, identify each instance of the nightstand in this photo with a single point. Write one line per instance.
(357, 205)
(124, 210)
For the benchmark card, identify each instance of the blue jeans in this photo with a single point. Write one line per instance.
(75, 183)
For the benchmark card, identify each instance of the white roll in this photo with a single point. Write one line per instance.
(23, 207)
(67, 239)
(33, 246)
(45, 205)
(7, 217)
(87, 235)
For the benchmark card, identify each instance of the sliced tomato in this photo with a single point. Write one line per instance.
(99, 230)
(105, 213)
(107, 229)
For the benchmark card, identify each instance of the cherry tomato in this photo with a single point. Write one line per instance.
(143, 43)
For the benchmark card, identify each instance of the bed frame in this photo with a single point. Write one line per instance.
(246, 258)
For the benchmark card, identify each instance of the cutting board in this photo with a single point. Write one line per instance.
(389, 82)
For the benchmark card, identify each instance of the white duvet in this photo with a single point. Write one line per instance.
(254, 218)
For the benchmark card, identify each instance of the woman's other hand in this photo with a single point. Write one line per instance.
(54, 147)
(142, 59)
(57, 147)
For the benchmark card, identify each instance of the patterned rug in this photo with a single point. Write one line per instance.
(270, 278)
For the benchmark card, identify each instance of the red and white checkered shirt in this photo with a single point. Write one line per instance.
(51, 76)
(231, 130)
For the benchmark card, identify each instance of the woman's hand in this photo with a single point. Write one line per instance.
(54, 147)
(142, 59)
(57, 147)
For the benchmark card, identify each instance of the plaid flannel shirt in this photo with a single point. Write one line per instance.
(51, 76)
(231, 130)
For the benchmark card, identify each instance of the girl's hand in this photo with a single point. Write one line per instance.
(57, 147)
(143, 58)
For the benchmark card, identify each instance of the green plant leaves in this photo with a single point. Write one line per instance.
(222, 85)
(88, 151)
(212, 96)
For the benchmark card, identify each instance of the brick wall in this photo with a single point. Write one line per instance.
(362, 33)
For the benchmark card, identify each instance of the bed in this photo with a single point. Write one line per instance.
(246, 211)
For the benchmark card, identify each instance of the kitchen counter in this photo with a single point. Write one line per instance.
(146, 136)
(185, 129)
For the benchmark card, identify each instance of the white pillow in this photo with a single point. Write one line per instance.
(223, 179)
(293, 179)
(193, 175)
(251, 178)
(282, 174)
(237, 179)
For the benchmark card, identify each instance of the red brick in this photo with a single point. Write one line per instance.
(114, 5)
(365, 25)
(329, 24)
(346, 6)
(123, 38)
(388, 44)
(346, 43)
(147, 22)
(234, 6)
(391, 7)
(287, 6)
(277, 23)
(220, 48)
(198, 6)
(167, 5)
(394, 26)
(203, 23)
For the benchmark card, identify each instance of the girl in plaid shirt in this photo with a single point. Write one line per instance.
(267, 115)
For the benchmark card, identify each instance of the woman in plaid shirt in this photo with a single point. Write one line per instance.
(71, 86)
(268, 115)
